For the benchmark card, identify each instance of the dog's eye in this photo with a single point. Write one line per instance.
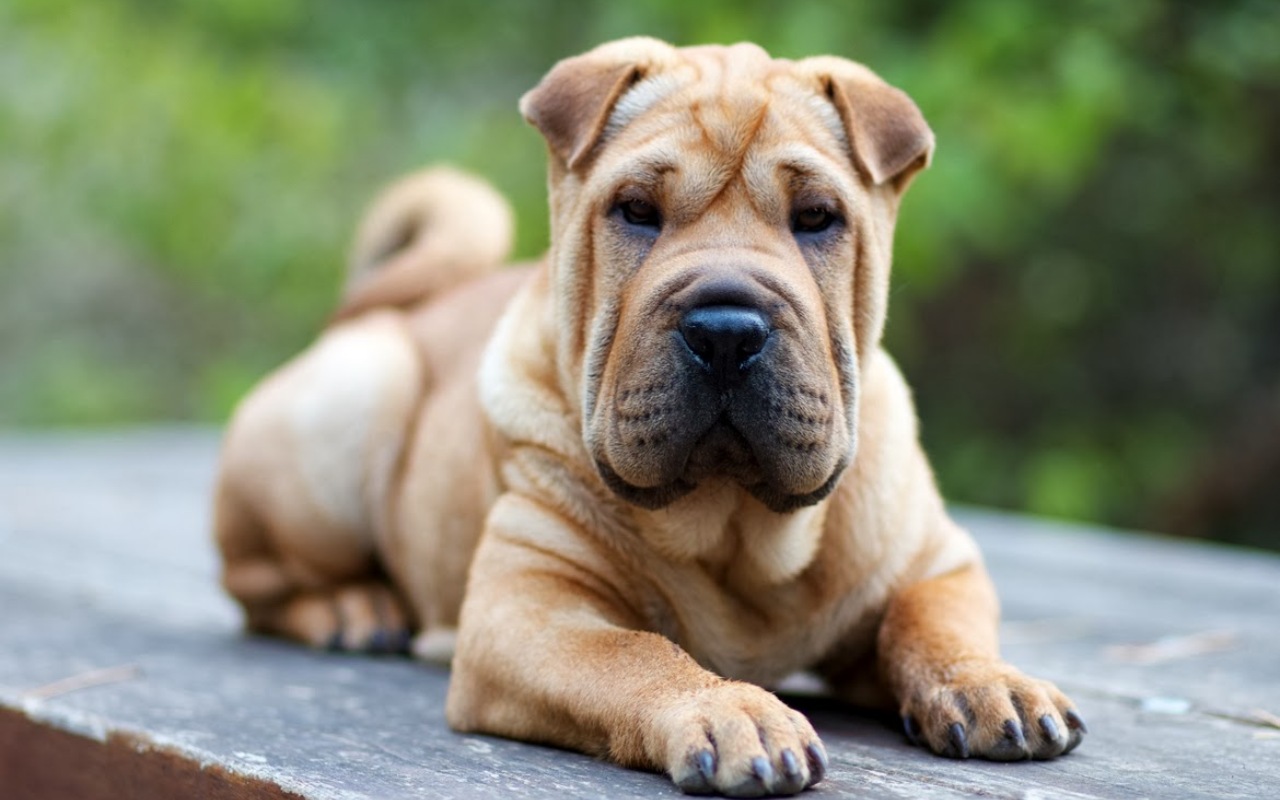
(814, 219)
(641, 213)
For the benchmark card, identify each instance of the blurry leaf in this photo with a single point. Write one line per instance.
(1086, 280)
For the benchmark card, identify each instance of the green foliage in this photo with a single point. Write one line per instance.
(1086, 290)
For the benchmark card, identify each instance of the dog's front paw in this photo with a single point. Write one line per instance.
(993, 711)
(739, 740)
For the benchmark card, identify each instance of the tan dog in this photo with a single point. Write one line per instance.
(696, 471)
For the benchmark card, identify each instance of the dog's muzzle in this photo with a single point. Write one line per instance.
(714, 383)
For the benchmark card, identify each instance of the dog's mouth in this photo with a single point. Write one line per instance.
(723, 452)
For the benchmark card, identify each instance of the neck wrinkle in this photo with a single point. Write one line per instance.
(729, 533)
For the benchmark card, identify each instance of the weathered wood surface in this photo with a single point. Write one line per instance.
(112, 627)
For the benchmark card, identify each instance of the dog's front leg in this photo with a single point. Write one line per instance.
(938, 650)
(552, 650)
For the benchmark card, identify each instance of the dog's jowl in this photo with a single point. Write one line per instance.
(644, 479)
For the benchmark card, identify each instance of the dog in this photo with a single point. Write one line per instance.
(628, 486)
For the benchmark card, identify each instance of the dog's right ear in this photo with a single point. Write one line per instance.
(571, 105)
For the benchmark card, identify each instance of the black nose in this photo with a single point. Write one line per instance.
(725, 339)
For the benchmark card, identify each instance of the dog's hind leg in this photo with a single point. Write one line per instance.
(302, 495)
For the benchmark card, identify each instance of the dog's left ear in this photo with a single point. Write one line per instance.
(571, 105)
(890, 140)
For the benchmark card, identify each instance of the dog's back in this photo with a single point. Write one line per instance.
(307, 492)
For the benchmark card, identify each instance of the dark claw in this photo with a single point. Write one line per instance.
(912, 729)
(1075, 722)
(817, 762)
(958, 742)
(790, 766)
(1054, 743)
(699, 780)
(706, 764)
(757, 784)
(1013, 747)
(1050, 728)
(792, 779)
(1078, 729)
(386, 641)
(762, 769)
(334, 645)
(402, 641)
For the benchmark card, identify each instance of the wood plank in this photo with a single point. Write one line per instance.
(112, 629)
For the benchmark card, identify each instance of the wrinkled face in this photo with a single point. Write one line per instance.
(721, 224)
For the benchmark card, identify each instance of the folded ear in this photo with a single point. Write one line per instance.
(890, 140)
(571, 105)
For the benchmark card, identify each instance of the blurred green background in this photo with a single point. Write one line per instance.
(1087, 283)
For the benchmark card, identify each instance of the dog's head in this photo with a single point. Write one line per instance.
(721, 225)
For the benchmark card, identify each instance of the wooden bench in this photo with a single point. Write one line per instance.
(124, 673)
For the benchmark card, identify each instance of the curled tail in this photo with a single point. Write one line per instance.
(425, 233)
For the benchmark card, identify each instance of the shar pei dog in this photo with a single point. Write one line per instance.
(627, 487)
